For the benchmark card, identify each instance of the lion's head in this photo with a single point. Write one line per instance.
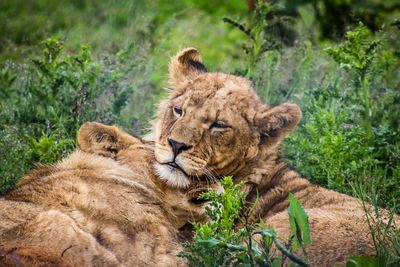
(214, 124)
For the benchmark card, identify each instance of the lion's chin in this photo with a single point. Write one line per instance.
(172, 176)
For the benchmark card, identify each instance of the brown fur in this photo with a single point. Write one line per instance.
(89, 210)
(228, 130)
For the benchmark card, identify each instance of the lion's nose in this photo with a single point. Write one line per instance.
(177, 147)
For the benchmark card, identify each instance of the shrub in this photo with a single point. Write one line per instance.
(347, 92)
(50, 98)
(219, 243)
(350, 135)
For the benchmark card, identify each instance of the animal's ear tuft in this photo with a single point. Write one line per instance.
(277, 122)
(186, 65)
(97, 138)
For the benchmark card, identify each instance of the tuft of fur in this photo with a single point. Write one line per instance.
(101, 206)
(230, 131)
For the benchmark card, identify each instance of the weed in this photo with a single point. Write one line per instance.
(50, 98)
(218, 243)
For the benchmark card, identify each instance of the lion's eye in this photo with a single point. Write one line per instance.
(178, 111)
(219, 125)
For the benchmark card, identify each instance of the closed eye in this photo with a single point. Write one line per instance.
(219, 125)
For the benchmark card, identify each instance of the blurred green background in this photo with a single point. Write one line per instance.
(66, 62)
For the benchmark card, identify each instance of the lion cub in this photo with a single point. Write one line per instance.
(101, 206)
(214, 124)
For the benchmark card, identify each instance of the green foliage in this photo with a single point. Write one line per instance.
(351, 135)
(362, 261)
(7, 78)
(383, 228)
(350, 130)
(357, 55)
(219, 243)
(332, 17)
(357, 52)
(264, 32)
(48, 88)
(223, 210)
(299, 226)
(47, 149)
(350, 102)
(52, 96)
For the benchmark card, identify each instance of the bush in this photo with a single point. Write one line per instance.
(348, 94)
(218, 243)
(50, 98)
(116, 79)
(352, 135)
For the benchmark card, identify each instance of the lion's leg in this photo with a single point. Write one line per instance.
(14, 213)
(63, 239)
(336, 235)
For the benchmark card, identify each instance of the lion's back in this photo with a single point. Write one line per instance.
(89, 210)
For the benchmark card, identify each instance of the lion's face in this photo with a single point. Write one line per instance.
(213, 124)
(203, 131)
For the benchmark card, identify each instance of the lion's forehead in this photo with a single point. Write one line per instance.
(218, 94)
(217, 85)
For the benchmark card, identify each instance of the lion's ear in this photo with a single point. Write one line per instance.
(186, 65)
(97, 138)
(277, 122)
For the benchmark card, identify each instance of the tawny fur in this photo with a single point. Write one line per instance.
(230, 131)
(102, 207)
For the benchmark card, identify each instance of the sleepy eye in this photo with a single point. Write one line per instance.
(177, 111)
(219, 125)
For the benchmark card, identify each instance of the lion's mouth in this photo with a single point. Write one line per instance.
(177, 167)
(172, 174)
(173, 164)
(175, 175)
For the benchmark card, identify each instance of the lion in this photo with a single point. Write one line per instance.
(101, 206)
(213, 124)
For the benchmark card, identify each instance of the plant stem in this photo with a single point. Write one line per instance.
(289, 254)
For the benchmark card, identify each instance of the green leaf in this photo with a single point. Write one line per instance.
(210, 243)
(362, 261)
(277, 262)
(233, 247)
(298, 219)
